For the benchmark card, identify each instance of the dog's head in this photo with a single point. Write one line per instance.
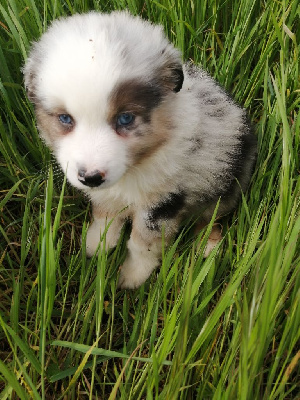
(101, 85)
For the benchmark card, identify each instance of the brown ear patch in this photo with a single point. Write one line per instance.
(30, 77)
(30, 86)
(172, 77)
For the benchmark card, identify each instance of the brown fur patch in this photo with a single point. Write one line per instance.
(136, 97)
(49, 125)
(156, 134)
(151, 127)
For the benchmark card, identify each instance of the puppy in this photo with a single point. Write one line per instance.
(146, 138)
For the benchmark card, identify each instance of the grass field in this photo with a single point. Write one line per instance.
(222, 328)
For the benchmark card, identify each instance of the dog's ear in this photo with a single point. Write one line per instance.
(170, 72)
(29, 86)
(172, 76)
(180, 78)
(29, 71)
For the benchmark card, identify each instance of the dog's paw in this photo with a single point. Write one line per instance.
(131, 278)
(133, 273)
(93, 238)
(214, 238)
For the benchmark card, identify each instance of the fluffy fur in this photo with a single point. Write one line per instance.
(186, 146)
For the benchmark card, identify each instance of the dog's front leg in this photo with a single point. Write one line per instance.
(144, 252)
(103, 225)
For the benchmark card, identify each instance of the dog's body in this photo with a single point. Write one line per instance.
(136, 131)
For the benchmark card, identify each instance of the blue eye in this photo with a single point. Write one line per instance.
(65, 119)
(125, 119)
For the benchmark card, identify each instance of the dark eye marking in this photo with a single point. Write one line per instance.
(66, 119)
(134, 97)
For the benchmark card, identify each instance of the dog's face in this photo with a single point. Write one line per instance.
(101, 85)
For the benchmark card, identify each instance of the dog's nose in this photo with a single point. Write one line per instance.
(91, 179)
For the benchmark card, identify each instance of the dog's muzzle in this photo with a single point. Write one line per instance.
(91, 179)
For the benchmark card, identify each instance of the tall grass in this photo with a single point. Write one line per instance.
(225, 327)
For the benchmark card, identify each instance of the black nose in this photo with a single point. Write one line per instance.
(91, 179)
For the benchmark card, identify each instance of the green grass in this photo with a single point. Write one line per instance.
(222, 328)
